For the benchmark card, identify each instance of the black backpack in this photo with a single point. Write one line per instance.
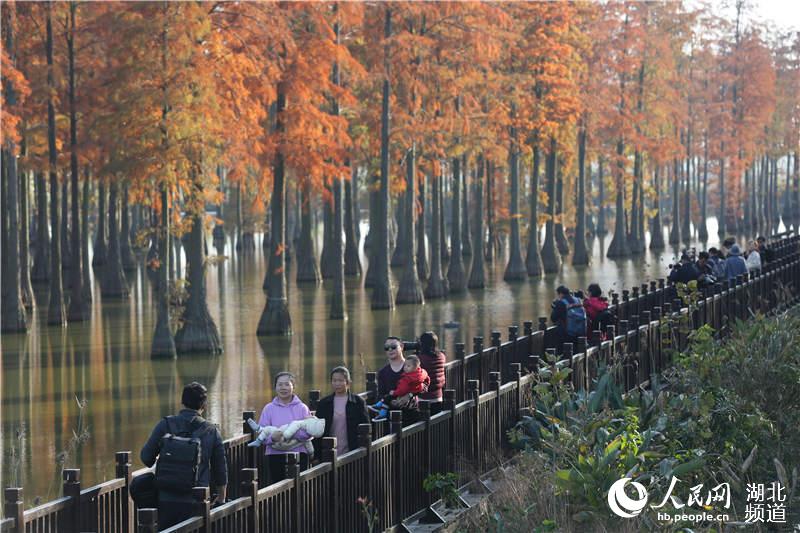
(179, 456)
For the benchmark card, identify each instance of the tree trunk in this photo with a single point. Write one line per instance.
(13, 310)
(561, 239)
(581, 254)
(77, 310)
(675, 232)
(456, 277)
(55, 310)
(601, 207)
(382, 293)
(477, 275)
(410, 289)
(126, 250)
(28, 299)
(490, 238)
(443, 223)
(87, 281)
(401, 246)
(373, 233)
(551, 260)
(533, 261)
(515, 270)
(307, 268)
(198, 333)
(591, 229)
(239, 230)
(112, 281)
(423, 270)
(796, 189)
(466, 236)
(619, 245)
(637, 240)
(352, 263)
(275, 319)
(686, 232)
(327, 265)
(437, 284)
(66, 253)
(163, 342)
(100, 249)
(656, 226)
(721, 222)
(338, 296)
(41, 257)
(702, 230)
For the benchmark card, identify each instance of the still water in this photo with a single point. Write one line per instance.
(104, 362)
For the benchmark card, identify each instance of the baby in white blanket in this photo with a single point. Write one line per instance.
(313, 426)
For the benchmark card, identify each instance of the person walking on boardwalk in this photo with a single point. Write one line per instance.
(342, 411)
(284, 408)
(190, 454)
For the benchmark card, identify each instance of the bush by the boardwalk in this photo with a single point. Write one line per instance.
(728, 412)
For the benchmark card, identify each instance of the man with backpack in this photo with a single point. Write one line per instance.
(190, 454)
(569, 317)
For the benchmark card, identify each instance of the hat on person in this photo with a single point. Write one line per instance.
(735, 250)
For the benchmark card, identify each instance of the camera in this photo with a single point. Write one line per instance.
(409, 346)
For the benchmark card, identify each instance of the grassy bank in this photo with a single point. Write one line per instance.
(728, 412)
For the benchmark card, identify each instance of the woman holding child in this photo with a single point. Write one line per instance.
(284, 408)
(342, 411)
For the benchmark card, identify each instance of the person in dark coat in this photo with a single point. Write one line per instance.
(213, 470)
(558, 316)
(432, 361)
(684, 272)
(343, 411)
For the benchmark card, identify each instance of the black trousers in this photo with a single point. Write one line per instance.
(171, 513)
(276, 466)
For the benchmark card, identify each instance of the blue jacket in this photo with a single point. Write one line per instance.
(734, 266)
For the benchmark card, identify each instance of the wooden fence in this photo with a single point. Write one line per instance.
(487, 389)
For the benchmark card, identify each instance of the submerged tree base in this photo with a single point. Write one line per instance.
(198, 335)
(275, 320)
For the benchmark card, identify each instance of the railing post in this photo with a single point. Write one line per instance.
(496, 342)
(425, 414)
(14, 507)
(293, 472)
(249, 488)
(123, 471)
(200, 495)
(494, 385)
(372, 387)
(583, 347)
(328, 455)
(252, 453)
(527, 328)
(147, 521)
(474, 392)
(461, 356)
(313, 400)
(365, 441)
(449, 404)
(396, 420)
(72, 490)
(542, 323)
(513, 335)
(516, 372)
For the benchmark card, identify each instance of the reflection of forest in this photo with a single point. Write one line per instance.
(106, 359)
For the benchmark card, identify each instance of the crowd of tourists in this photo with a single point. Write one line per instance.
(578, 314)
(188, 451)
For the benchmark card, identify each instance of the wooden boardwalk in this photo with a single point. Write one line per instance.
(486, 390)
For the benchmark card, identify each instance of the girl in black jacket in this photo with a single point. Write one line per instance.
(343, 411)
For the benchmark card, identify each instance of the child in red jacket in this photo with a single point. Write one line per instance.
(413, 381)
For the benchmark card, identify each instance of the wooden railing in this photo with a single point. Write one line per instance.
(487, 389)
